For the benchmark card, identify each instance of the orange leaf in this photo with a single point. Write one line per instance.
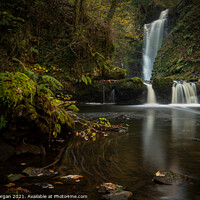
(58, 183)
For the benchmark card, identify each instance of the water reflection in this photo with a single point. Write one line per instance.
(154, 150)
(158, 138)
(183, 123)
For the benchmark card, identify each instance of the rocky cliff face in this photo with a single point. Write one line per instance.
(179, 56)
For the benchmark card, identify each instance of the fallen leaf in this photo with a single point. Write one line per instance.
(86, 137)
(58, 183)
(40, 174)
(10, 175)
(72, 176)
(20, 189)
(9, 184)
(23, 163)
(159, 174)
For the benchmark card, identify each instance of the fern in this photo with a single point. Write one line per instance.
(15, 88)
(42, 88)
(52, 81)
(28, 72)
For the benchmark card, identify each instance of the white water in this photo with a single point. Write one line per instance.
(151, 98)
(112, 96)
(184, 93)
(153, 36)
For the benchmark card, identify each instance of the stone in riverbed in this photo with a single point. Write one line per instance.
(114, 192)
(169, 178)
(14, 177)
(37, 172)
(124, 195)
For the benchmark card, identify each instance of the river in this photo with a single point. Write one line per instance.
(159, 138)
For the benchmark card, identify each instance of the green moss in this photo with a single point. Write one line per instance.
(179, 56)
(114, 73)
(21, 100)
(162, 83)
(15, 88)
(133, 84)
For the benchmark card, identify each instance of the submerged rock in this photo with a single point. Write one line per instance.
(169, 178)
(45, 185)
(33, 172)
(114, 192)
(14, 177)
(124, 195)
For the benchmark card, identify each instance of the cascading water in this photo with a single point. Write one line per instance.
(112, 96)
(151, 98)
(153, 36)
(184, 93)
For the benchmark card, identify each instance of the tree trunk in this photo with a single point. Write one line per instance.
(82, 9)
(111, 11)
(76, 13)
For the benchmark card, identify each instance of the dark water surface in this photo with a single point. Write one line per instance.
(159, 137)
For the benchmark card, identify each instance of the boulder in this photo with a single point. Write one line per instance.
(6, 150)
(37, 172)
(130, 91)
(169, 178)
(163, 89)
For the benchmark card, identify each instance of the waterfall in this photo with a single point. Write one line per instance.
(112, 96)
(104, 95)
(153, 36)
(151, 98)
(184, 93)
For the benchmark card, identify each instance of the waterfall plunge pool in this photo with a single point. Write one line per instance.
(160, 137)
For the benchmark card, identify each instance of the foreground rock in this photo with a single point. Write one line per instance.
(170, 178)
(6, 150)
(124, 195)
(114, 192)
(37, 172)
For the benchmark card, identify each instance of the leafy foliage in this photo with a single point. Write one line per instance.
(2, 122)
(33, 102)
(15, 88)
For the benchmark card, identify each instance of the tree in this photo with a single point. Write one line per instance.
(111, 11)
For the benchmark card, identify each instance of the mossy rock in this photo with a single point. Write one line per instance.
(163, 89)
(162, 83)
(115, 73)
(93, 92)
(170, 178)
(130, 91)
